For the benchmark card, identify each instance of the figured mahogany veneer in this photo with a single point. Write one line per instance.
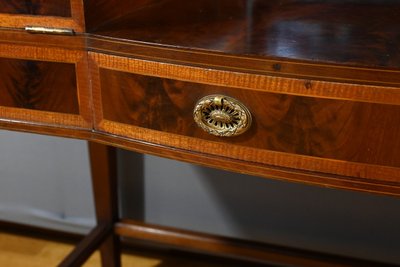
(341, 137)
(60, 13)
(30, 84)
(61, 8)
(325, 128)
(321, 79)
(44, 85)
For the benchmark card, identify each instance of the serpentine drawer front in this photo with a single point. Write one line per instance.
(154, 102)
(44, 86)
(60, 14)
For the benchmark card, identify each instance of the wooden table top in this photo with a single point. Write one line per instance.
(357, 33)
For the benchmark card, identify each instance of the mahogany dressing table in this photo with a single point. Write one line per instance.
(298, 90)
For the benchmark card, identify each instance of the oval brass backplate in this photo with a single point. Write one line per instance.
(222, 115)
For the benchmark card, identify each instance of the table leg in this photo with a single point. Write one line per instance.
(103, 161)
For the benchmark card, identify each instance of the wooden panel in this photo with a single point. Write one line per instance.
(61, 8)
(326, 128)
(38, 85)
(44, 85)
(300, 131)
(58, 14)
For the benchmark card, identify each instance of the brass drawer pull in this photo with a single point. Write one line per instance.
(222, 115)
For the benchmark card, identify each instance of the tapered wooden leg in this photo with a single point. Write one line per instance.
(103, 161)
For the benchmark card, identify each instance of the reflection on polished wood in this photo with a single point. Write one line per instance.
(347, 32)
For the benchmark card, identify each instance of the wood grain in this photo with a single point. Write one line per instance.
(60, 8)
(298, 69)
(58, 14)
(245, 80)
(333, 129)
(339, 159)
(342, 32)
(321, 79)
(18, 40)
(51, 83)
(102, 12)
(363, 170)
(38, 85)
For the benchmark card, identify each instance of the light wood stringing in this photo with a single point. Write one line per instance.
(321, 89)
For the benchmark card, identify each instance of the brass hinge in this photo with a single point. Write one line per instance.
(49, 30)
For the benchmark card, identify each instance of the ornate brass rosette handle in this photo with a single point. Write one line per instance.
(222, 115)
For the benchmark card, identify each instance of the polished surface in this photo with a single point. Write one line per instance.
(326, 128)
(347, 32)
(31, 84)
(61, 8)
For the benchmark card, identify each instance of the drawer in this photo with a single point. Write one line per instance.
(55, 13)
(303, 132)
(43, 86)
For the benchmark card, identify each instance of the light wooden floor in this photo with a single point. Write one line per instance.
(24, 251)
